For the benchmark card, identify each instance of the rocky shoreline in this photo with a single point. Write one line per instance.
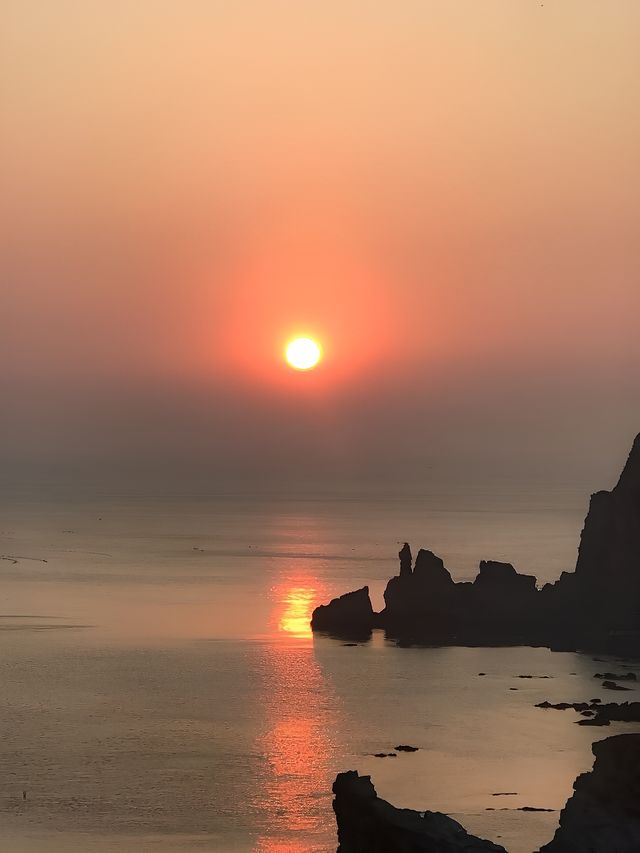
(596, 713)
(594, 608)
(602, 815)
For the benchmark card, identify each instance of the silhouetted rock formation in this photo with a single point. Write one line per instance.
(595, 607)
(603, 815)
(351, 615)
(598, 605)
(367, 824)
(405, 560)
(427, 605)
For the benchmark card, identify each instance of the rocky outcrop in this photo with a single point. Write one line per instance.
(603, 815)
(350, 615)
(610, 542)
(597, 607)
(368, 824)
(425, 604)
(607, 576)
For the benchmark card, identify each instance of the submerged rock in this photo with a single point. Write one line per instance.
(602, 714)
(627, 676)
(533, 809)
(603, 815)
(368, 824)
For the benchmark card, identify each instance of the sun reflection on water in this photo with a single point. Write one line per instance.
(297, 743)
(299, 602)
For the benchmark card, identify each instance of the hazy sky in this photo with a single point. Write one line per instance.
(445, 192)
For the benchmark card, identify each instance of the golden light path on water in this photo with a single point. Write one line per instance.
(297, 741)
(299, 602)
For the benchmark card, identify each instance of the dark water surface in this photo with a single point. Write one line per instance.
(161, 690)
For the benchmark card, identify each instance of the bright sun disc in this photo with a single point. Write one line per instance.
(303, 353)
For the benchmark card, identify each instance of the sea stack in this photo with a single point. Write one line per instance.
(405, 560)
(349, 616)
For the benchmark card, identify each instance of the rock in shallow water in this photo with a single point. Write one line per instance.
(619, 712)
(350, 615)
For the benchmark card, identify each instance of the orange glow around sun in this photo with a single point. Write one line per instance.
(303, 353)
(306, 276)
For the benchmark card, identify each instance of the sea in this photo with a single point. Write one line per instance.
(161, 691)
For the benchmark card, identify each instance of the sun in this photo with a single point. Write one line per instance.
(303, 353)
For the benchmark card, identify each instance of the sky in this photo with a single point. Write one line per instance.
(445, 194)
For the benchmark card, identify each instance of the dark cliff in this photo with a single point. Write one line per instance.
(607, 574)
(603, 815)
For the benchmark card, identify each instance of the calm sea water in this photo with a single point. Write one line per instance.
(161, 690)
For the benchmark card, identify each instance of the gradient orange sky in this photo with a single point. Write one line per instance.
(446, 194)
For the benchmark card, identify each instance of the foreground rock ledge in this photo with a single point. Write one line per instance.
(367, 824)
(602, 816)
(595, 608)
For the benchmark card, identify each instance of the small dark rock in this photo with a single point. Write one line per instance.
(534, 809)
(533, 676)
